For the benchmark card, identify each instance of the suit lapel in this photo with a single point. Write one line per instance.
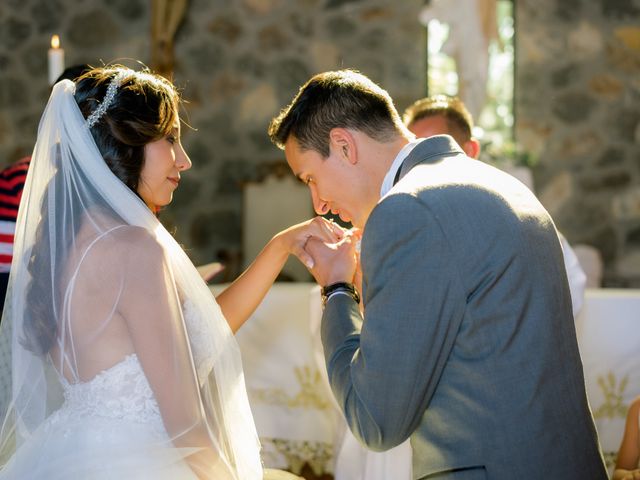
(428, 151)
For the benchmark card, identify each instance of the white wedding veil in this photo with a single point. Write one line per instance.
(96, 279)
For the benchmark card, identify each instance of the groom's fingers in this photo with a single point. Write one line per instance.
(336, 230)
(316, 249)
(330, 230)
(303, 255)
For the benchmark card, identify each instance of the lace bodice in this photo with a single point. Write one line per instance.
(123, 391)
(120, 392)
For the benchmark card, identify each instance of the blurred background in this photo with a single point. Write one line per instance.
(554, 86)
(561, 95)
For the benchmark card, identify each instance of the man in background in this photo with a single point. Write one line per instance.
(441, 114)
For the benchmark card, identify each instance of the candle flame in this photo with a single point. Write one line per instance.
(55, 41)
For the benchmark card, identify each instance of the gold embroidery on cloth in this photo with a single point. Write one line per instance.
(613, 406)
(310, 395)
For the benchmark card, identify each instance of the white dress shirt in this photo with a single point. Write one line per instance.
(387, 183)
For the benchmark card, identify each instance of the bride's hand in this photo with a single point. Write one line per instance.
(622, 474)
(294, 239)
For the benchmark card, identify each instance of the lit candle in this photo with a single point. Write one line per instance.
(56, 59)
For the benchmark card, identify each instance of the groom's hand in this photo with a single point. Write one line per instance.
(294, 239)
(333, 262)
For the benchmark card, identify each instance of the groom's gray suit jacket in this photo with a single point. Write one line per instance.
(468, 344)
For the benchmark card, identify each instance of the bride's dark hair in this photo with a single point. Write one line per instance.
(143, 110)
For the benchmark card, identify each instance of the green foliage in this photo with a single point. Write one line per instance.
(502, 153)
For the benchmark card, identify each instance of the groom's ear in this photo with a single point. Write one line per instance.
(343, 143)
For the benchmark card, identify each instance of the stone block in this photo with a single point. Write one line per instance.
(324, 55)
(630, 37)
(565, 75)
(533, 136)
(633, 237)
(604, 238)
(573, 107)
(625, 123)
(5, 62)
(12, 93)
(376, 14)
(233, 174)
(580, 143)
(628, 265)
(34, 61)
(228, 28)
(14, 32)
(585, 215)
(5, 133)
(250, 64)
(605, 179)
(626, 205)
(207, 56)
(340, 27)
(289, 74)
(272, 38)
(611, 157)
(48, 14)
(226, 86)
(302, 25)
(262, 7)
(339, 3)
(258, 106)
(540, 47)
(568, 10)
(215, 227)
(129, 9)
(619, 9)
(622, 58)
(556, 193)
(607, 86)
(585, 41)
(95, 28)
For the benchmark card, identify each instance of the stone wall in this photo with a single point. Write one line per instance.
(578, 112)
(239, 61)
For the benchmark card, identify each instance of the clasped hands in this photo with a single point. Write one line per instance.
(328, 250)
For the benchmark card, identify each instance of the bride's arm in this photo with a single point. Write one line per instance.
(150, 306)
(242, 297)
(629, 451)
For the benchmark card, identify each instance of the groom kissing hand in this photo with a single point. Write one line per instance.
(467, 343)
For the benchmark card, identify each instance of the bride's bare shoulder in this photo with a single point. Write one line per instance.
(130, 233)
(127, 242)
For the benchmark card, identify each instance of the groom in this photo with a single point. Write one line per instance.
(467, 344)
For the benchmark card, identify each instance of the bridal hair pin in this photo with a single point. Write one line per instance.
(108, 98)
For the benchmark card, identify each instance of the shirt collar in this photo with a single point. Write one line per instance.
(387, 183)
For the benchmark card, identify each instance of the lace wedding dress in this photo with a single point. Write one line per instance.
(114, 419)
(122, 363)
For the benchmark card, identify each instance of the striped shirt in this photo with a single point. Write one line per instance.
(12, 181)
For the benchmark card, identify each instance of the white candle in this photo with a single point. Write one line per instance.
(56, 59)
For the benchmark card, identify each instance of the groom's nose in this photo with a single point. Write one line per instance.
(320, 206)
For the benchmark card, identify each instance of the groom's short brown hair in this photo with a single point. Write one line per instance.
(339, 99)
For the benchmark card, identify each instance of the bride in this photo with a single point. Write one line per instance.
(123, 365)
